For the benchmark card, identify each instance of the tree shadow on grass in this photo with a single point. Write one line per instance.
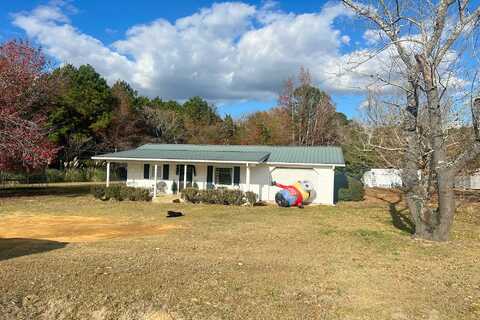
(17, 247)
(400, 218)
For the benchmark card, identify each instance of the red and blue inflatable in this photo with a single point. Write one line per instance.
(293, 195)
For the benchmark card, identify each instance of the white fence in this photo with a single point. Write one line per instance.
(391, 178)
(468, 182)
(382, 178)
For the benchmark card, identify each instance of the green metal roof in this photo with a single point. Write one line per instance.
(232, 153)
(186, 154)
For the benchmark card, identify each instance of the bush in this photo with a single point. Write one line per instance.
(232, 197)
(251, 197)
(11, 177)
(209, 196)
(120, 192)
(357, 189)
(98, 192)
(36, 177)
(354, 192)
(214, 196)
(75, 175)
(54, 175)
(191, 195)
(97, 175)
(344, 194)
(114, 192)
(138, 194)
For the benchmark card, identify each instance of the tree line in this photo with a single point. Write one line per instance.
(50, 117)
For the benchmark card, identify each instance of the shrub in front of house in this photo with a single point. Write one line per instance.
(214, 196)
(233, 197)
(191, 195)
(98, 192)
(138, 194)
(120, 192)
(210, 196)
(354, 192)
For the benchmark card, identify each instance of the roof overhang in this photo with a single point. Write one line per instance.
(286, 164)
(293, 164)
(119, 159)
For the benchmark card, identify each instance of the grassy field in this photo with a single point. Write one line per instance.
(72, 257)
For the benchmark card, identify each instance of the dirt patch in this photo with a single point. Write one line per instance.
(75, 228)
(379, 196)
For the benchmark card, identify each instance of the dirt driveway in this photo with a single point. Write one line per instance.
(75, 228)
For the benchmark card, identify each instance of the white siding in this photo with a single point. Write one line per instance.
(261, 176)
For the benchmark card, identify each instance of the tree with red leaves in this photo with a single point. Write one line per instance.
(24, 98)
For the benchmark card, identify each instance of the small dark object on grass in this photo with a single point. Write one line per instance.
(174, 214)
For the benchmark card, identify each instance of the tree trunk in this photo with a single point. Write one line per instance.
(439, 220)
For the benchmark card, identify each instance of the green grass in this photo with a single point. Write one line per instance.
(343, 262)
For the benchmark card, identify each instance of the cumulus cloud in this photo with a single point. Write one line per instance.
(229, 51)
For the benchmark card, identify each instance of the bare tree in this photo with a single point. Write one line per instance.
(427, 43)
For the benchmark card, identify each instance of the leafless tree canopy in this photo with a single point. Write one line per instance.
(424, 85)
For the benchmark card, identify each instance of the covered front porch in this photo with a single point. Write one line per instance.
(168, 177)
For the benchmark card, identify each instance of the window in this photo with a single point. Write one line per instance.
(223, 176)
(209, 177)
(146, 171)
(236, 176)
(166, 171)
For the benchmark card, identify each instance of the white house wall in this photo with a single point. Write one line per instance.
(321, 178)
(261, 176)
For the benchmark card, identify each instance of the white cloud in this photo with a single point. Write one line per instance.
(345, 39)
(372, 36)
(229, 51)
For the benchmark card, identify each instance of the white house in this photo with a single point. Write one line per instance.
(249, 168)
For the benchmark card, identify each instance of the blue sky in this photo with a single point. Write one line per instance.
(145, 43)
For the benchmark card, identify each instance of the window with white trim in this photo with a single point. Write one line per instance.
(224, 176)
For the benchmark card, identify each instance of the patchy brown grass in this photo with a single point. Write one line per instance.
(352, 261)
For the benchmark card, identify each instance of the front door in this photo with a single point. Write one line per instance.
(181, 172)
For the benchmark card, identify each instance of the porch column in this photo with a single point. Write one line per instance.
(270, 170)
(248, 177)
(155, 181)
(108, 174)
(185, 177)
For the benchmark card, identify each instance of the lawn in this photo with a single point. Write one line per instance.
(69, 256)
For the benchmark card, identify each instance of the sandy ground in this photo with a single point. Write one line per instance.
(75, 228)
